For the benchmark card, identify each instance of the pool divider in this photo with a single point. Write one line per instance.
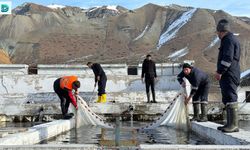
(38, 133)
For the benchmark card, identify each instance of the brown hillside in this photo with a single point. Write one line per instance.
(38, 34)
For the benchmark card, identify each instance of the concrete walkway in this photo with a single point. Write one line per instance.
(208, 130)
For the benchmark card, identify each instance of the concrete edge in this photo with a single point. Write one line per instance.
(38, 133)
(208, 130)
(192, 147)
(141, 146)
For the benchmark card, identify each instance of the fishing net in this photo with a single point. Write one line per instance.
(85, 116)
(175, 115)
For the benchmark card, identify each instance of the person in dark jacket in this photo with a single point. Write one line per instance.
(100, 79)
(228, 73)
(199, 92)
(64, 88)
(149, 73)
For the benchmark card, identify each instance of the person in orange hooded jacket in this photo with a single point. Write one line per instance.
(64, 88)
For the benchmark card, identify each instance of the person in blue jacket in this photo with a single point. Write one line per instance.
(228, 73)
(199, 92)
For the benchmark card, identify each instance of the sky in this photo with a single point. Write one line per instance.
(234, 7)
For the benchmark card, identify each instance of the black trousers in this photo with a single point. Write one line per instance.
(150, 82)
(201, 95)
(102, 85)
(63, 95)
(228, 89)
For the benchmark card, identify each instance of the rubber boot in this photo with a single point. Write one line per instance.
(99, 99)
(232, 109)
(203, 117)
(103, 98)
(225, 116)
(196, 112)
(68, 116)
(153, 94)
(148, 97)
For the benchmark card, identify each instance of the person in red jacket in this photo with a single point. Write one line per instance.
(64, 88)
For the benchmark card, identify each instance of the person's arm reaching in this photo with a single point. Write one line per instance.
(194, 89)
(73, 99)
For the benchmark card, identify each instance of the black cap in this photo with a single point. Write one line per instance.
(223, 25)
(89, 63)
(186, 65)
(148, 55)
(76, 84)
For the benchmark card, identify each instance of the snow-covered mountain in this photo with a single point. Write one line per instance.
(104, 11)
(55, 6)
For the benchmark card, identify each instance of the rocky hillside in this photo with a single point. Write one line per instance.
(4, 57)
(36, 34)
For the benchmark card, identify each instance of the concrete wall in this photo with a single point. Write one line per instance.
(244, 108)
(242, 93)
(165, 69)
(44, 83)
(24, 94)
(13, 69)
(110, 69)
(62, 69)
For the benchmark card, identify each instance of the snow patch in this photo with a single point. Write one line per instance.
(93, 8)
(55, 6)
(112, 7)
(142, 34)
(245, 73)
(175, 27)
(236, 34)
(215, 41)
(160, 84)
(178, 54)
